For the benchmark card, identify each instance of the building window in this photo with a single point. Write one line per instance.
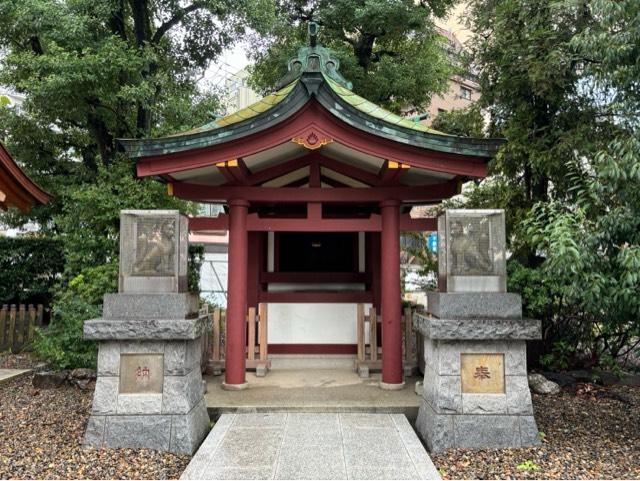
(465, 93)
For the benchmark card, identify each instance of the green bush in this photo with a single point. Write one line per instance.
(61, 343)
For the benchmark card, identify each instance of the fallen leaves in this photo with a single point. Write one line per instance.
(593, 433)
(41, 432)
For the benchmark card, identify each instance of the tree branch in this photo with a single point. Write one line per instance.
(175, 20)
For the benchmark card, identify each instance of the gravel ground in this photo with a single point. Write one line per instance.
(41, 431)
(592, 433)
(26, 360)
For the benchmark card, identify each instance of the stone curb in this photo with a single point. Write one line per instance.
(13, 375)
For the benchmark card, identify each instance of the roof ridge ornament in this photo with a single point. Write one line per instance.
(314, 58)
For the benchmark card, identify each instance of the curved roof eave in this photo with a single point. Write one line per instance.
(23, 186)
(340, 102)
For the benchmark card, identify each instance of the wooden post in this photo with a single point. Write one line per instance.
(262, 331)
(3, 326)
(373, 334)
(251, 330)
(19, 339)
(392, 376)
(408, 335)
(32, 322)
(40, 314)
(216, 335)
(12, 326)
(236, 326)
(360, 332)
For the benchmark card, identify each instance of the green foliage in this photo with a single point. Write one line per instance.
(93, 72)
(560, 82)
(560, 357)
(29, 267)
(388, 50)
(89, 223)
(196, 258)
(467, 122)
(528, 465)
(61, 344)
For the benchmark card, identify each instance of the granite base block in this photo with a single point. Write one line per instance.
(477, 329)
(474, 305)
(143, 329)
(170, 305)
(173, 418)
(474, 431)
(451, 418)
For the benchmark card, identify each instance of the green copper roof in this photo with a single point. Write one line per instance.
(369, 108)
(359, 103)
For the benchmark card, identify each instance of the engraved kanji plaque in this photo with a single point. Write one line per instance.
(482, 373)
(141, 373)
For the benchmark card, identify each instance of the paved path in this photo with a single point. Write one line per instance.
(311, 446)
(8, 374)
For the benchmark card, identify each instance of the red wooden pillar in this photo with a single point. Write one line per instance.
(390, 296)
(235, 356)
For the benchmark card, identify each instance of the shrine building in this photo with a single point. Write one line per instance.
(317, 183)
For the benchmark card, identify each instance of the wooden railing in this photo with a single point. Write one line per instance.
(369, 349)
(256, 349)
(18, 325)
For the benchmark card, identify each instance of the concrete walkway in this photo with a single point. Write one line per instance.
(311, 446)
(7, 374)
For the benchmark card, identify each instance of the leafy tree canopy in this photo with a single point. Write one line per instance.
(559, 79)
(389, 50)
(467, 122)
(93, 72)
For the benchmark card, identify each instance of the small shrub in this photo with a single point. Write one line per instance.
(528, 465)
(62, 344)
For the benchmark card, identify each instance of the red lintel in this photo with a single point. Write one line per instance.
(255, 223)
(422, 194)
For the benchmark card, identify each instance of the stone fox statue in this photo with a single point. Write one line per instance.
(155, 249)
(470, 249)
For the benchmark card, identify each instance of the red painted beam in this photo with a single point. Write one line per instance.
(350, 171)
(409, 224)
(314, 174)
(332, 182)
(313, 277)
(278, 170)
(220, 223)
(316, 296)
(205, 193)
(391, 172)
(255, 223)
(313, 348)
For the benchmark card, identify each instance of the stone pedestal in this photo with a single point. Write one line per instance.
(149, 391)
(475, 391)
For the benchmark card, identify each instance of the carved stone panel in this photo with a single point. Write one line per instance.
(482, 373)
(141, 373)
